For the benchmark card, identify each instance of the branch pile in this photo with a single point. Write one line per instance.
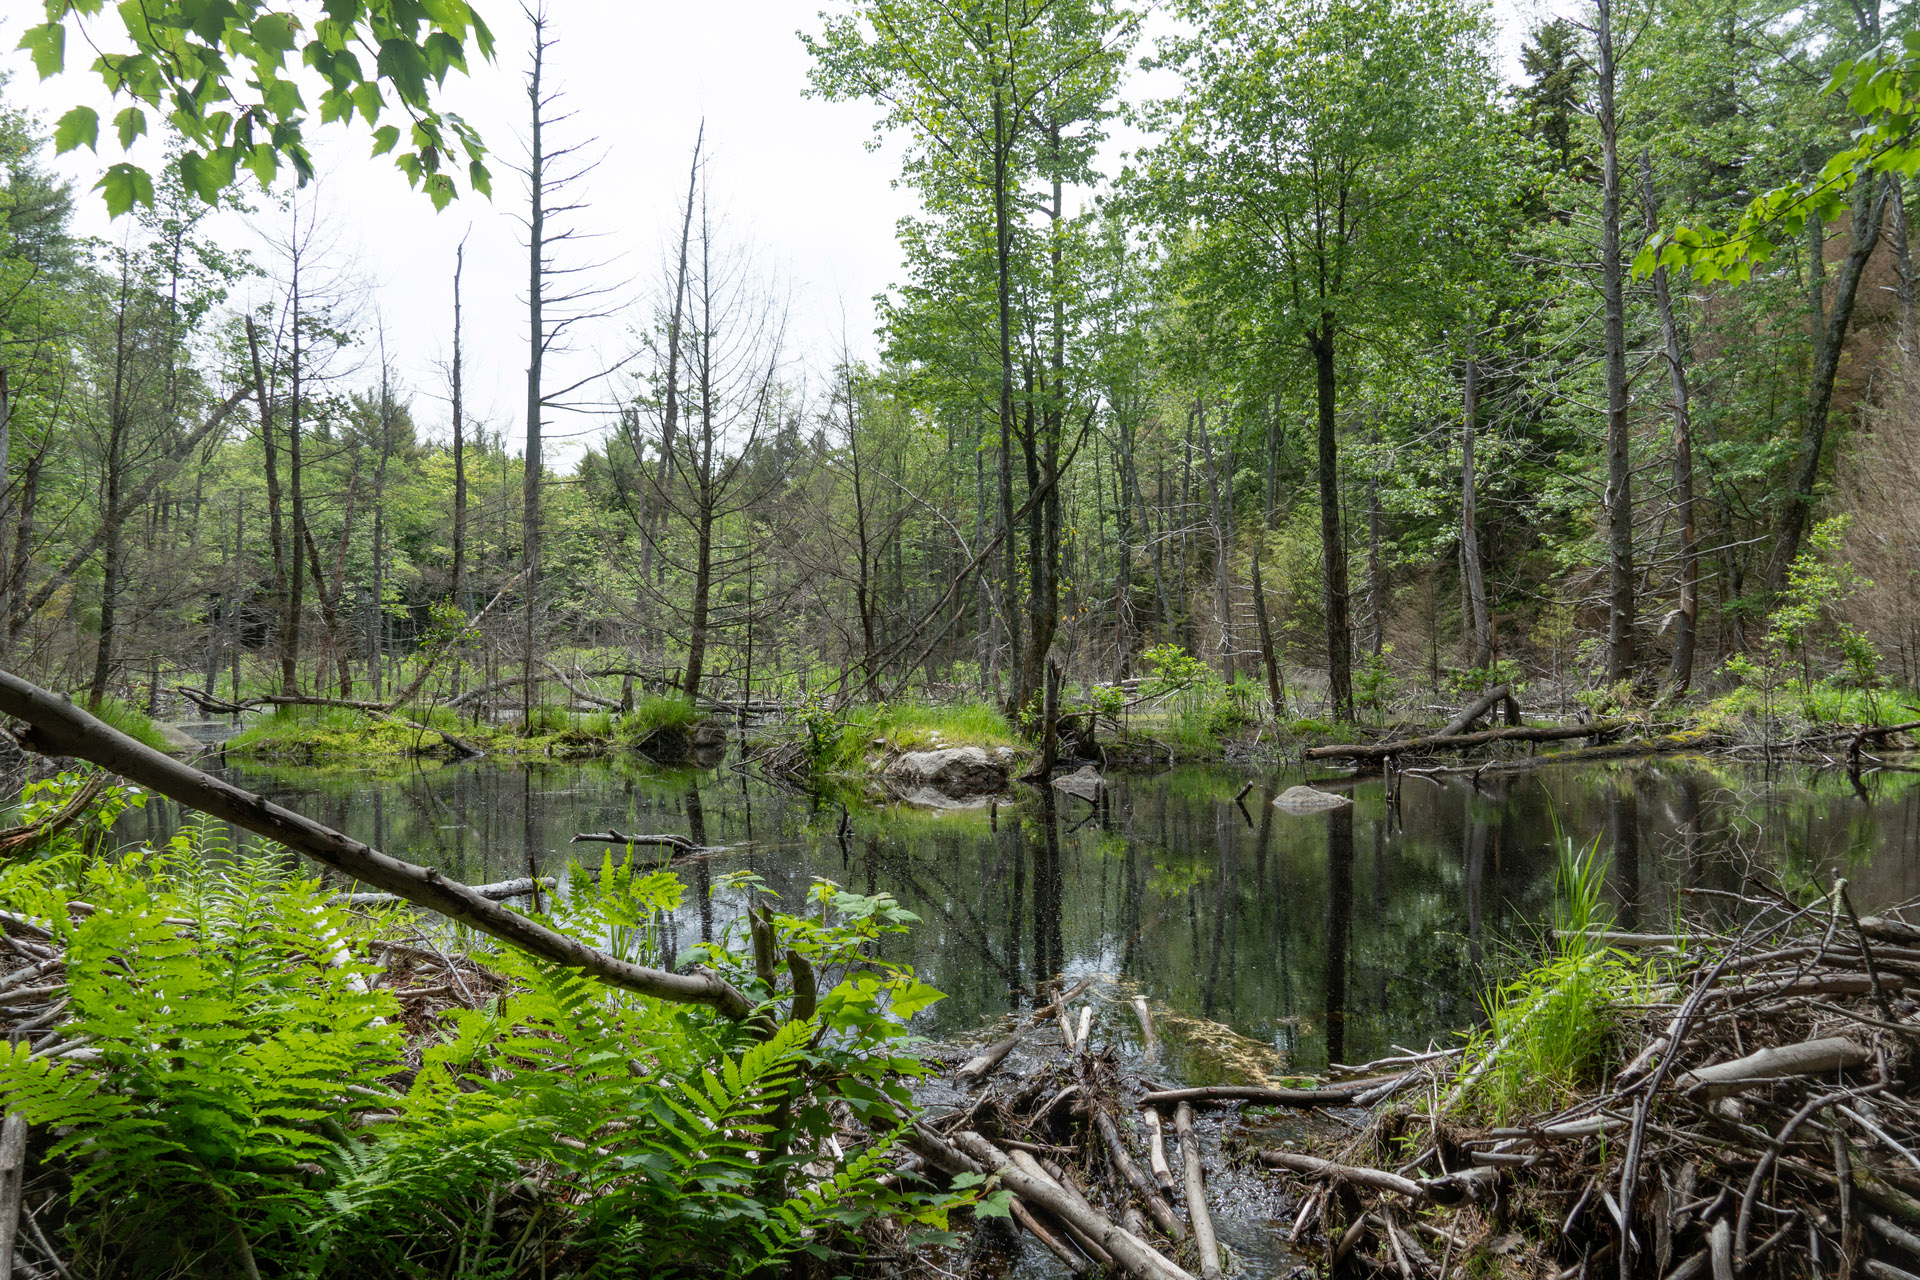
(1757, 1117)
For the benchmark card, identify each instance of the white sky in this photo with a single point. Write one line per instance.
(792, 174)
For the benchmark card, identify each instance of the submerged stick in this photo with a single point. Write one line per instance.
(1203, 1238)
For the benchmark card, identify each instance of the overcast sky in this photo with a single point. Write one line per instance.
(794, 176)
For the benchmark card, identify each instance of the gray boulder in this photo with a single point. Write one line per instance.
(953, 771)
(1307, 800)
(1083, 783)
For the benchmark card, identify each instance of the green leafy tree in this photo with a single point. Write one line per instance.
(1315, 155)
(226, 77)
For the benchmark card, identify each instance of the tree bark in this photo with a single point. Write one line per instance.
(1686, 618)
(1619, 490)
(1332, 545)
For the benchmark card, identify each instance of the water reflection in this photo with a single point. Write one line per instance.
(1325, 937)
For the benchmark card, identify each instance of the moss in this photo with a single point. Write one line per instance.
(317, 735)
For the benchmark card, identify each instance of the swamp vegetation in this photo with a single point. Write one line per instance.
(1334, 687)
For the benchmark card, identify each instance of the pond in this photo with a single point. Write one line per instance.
(1267, 942)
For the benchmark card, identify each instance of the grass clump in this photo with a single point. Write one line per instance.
(1550, 1028)
(656, 712)
(132, 722)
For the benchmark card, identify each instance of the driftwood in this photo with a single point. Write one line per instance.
(1157, 1206)
(1342, 1095)
(1810, 1058)
(497, 891)
(1462, 741)
(1131, 1254)
(981, 1065)
(13, 1168)
(1196, 1184)
(56, 727)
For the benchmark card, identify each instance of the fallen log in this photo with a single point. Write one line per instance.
(1342, 1095)
(1131, 1254)
(1462, 741)
(1479, 707)
(1204, 1241)
(1157, 1208)
(1809, 1058)
(680, 844)
(1058, 1176)
(56, 727)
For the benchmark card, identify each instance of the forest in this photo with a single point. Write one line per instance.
(1265, 381)
(1343, 387)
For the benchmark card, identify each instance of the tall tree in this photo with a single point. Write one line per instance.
(1309, 161)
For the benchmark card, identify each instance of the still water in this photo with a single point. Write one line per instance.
(1268, 942)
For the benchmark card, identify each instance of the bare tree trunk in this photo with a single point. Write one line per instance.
(1619, 491)
(1899, 235)
(1686, 618)
(458, 586)
(1219, 517)
(1332, 544)
(1469, 521)
(112, 515)
(536, 352)
(1276, 691)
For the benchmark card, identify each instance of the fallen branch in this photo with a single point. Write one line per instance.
(56, 727)
(1204, 1240)
(1462, 741)
(1338, 1096)
(1130, 1254)
(497, 891)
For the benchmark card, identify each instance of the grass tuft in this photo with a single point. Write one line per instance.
(132, 722)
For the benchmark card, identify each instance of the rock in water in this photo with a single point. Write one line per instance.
(1083, 783)
(1307, 800)
(955, 771)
